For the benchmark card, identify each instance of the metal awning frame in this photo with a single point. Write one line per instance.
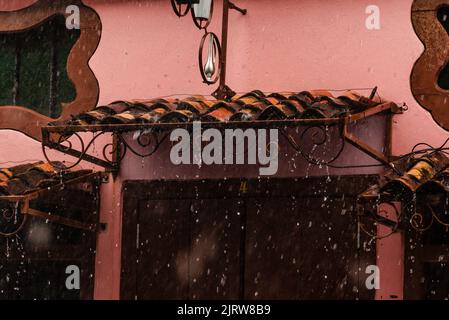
(57, 137)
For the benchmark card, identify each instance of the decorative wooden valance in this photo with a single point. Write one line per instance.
(29, 119)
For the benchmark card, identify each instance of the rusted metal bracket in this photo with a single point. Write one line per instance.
(359, 144)
(234, 7)
(223, 93)
(367, 208)
(382, 220)
(113, 152)
(80, 155)
(105, 178)
(111, 165)
(92, 227)
(383, 157)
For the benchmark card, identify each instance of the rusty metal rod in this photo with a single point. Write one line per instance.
(224, 49)
(233, 6)
(92, 227)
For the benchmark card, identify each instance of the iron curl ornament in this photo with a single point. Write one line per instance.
(12, 220)
(147, 143)
(419, 214)
(424, 216)
(316, 144)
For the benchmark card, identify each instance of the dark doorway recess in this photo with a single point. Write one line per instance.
(427, 264)
(245, 239)
(34, 262)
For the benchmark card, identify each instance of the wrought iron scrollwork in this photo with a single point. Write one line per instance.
(151, 141)
(424, 218)
(12, 220)
(113, 153)
(65, 146)
(417, 222)
(421, 217)
(315, 144)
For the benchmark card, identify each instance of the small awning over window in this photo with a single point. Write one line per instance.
(23, 186)
(412, 176)
(28, 178)
(418, 186)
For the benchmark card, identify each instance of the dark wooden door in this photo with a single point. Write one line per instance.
(256, 239)
(163, 224)
(427, 264)
(303, 248)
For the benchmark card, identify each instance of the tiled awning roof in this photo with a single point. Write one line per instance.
(420, 185)
(154, 118)
(28, 178)
(23, 187)
(254, 105)
(428, 174)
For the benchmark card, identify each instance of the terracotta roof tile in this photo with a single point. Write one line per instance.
(153, 116)
(177, 116)
(254, 105)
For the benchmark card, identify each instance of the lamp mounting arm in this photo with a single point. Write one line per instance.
(234, 7)
(224, 92)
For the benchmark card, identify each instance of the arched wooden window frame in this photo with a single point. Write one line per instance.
(425, 73)
(84, 81)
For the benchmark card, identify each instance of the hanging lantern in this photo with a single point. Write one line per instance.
(202, 13)
(214, 67)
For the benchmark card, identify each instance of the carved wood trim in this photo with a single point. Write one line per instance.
(84, 81)
(425, 73)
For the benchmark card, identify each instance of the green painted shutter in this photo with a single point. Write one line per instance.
(33, 67)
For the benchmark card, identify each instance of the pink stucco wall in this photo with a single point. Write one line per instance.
(390, 257)
(146, 51)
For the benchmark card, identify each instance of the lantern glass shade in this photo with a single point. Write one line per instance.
(202, 10)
